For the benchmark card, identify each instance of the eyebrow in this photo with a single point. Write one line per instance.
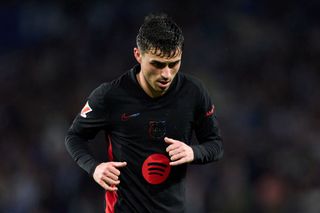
(167, 63)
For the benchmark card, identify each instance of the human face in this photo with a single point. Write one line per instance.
(157, 72)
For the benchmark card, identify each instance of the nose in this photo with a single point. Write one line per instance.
(166, 73)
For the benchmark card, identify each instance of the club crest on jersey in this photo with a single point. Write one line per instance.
(85, 110)
(157, 129)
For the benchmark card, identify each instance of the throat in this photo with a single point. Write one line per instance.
(146, 87)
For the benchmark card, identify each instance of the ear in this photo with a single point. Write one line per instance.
(137, 54)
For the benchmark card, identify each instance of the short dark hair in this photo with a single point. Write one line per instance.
(159, 32)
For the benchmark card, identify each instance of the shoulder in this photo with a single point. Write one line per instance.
(196, 89)
(192, 83)
(98, 95)
(107, 88)
(106, 91)
(102, 90)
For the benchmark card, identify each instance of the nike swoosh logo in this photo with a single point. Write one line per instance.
(125, 117)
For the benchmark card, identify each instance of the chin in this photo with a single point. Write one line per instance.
(162, 92)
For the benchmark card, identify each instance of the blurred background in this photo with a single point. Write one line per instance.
(259, 59)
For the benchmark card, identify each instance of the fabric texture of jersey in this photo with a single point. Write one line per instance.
(135, 126)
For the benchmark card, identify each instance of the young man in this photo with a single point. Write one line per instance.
(148, 115)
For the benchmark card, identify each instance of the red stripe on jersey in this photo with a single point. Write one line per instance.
(110, 154)
(111, 197)
(111, 200)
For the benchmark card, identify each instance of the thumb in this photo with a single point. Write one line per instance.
(169, 140)
(119, 164)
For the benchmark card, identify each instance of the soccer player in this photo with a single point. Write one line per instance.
(148, 115)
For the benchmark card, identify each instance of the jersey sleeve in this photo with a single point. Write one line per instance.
(92, 118)
(207, 132)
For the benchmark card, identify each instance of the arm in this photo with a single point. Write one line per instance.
(207, 131)
(77, 146)
(106, 174)
(210, 141)
(209, 148)
(87, 124)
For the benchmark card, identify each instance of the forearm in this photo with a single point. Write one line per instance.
(79, 150)
(208, 151)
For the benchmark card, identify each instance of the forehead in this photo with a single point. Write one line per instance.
(157, 55)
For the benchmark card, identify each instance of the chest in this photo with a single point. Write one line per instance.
(141, 120)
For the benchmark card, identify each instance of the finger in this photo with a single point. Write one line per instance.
(111, 182)
(112, 176)
(114, 171)
(177, 156)
(178, 162)
(175, 151)
(169, 140)
(119, 164)
(172, 147)
(106, 186)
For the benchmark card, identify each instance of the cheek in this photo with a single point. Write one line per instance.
(153, 72)
(175, 70)
(151, 75)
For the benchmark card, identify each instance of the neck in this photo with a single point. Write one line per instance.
(145, 86)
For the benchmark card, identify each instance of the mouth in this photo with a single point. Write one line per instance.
(163, 84)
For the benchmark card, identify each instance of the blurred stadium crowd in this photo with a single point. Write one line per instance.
(260, 60)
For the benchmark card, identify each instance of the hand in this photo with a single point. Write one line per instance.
(179, 152)
(107, 175)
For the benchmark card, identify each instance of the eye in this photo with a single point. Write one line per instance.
(158, 64)
(173, 64)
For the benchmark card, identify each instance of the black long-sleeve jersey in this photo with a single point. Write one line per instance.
(135, 125)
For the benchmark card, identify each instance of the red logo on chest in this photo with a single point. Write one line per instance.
(156, 168)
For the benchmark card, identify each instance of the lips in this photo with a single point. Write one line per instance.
(163, 84)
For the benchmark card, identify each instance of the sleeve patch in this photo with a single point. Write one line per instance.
(211, 111)
(85, 110)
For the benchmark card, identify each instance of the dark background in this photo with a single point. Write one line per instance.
(259, 60)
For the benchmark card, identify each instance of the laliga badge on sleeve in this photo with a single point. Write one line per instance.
(86, 109)
(211, 111)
